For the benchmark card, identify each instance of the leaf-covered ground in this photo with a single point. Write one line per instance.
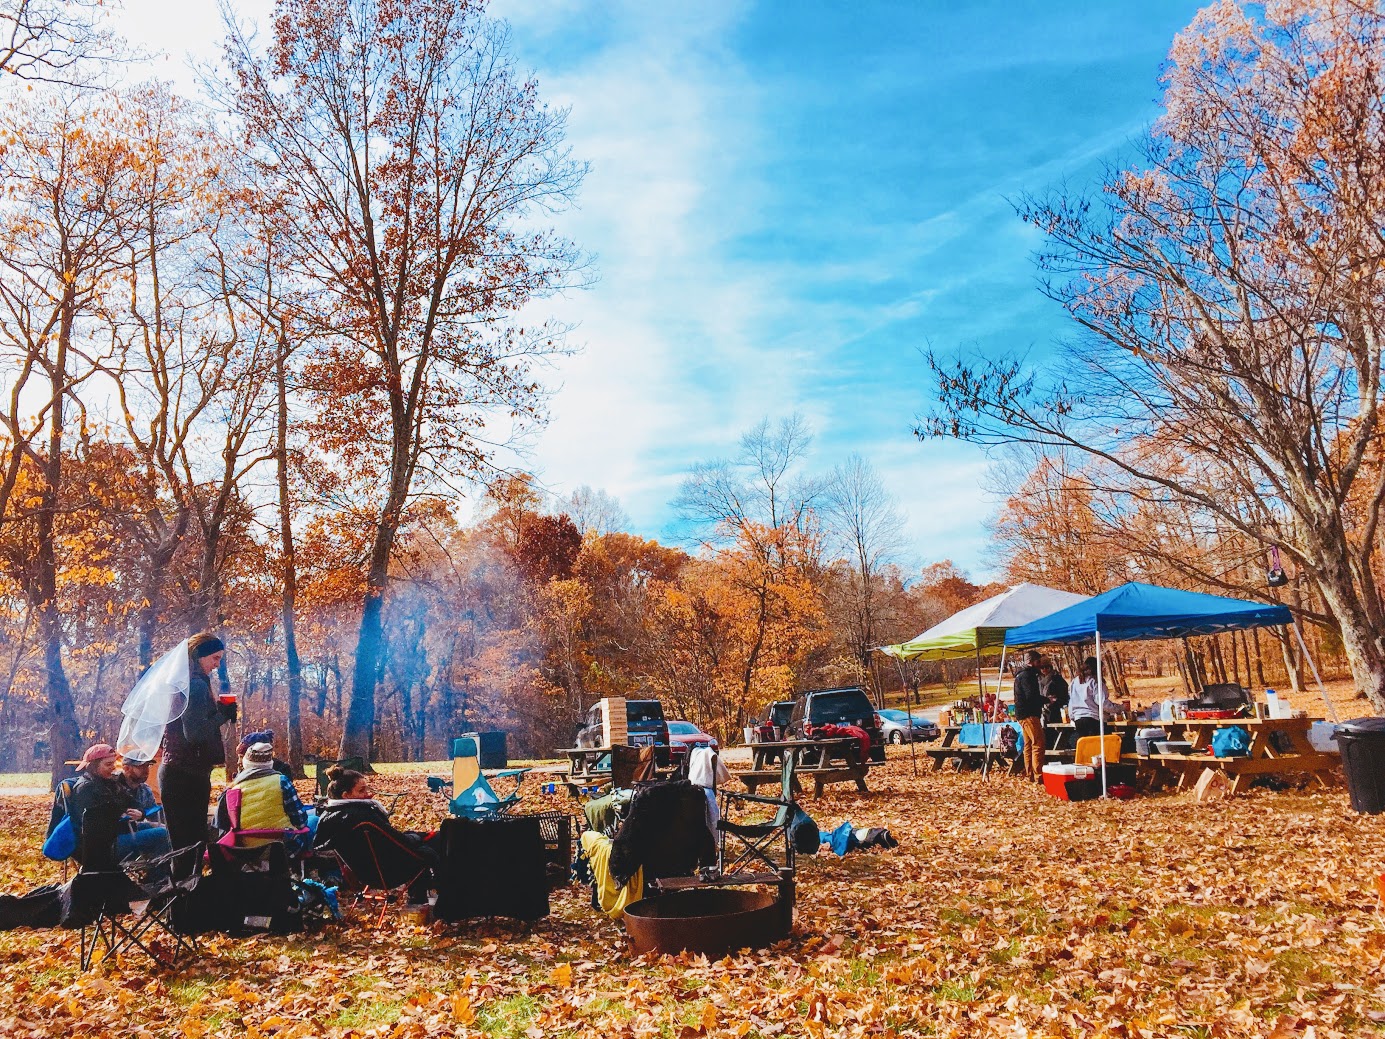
(1002, 913)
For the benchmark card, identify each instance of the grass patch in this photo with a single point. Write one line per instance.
(368, 1012)
(509, 1017)
(956, 991)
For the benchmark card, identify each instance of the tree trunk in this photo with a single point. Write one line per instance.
(358, 729)
(290, 577)
(64, 737)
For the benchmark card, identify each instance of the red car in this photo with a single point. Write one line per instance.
(683, 736)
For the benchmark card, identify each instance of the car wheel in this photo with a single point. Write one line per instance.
(896, 736)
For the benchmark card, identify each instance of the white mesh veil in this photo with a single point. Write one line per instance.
(157, 699)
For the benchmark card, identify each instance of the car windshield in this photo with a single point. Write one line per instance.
(781, 714)
(684, 729)
(894, 716)
(644, 711)
(837, 708)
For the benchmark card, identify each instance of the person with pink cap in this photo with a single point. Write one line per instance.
(103, 814)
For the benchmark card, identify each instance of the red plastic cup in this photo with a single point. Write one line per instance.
(226, 699)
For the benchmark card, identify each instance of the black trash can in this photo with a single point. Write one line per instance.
(1362, 743)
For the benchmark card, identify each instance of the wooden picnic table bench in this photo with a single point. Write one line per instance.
(1269, 754)
(833, 760)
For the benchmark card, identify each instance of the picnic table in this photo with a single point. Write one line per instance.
(1278, 746)
(587, 767)
(966, 744)
(833, 760)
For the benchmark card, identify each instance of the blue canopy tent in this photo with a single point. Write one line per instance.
(1147, 611)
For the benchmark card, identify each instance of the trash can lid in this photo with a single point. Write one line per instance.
(1362, 727)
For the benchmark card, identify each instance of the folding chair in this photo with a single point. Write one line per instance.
(1089, 748)
(380, 865)
(237, 837)
(472, 795)
(756, 838)
(127, 907)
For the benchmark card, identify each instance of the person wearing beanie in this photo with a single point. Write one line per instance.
(268, 800)
(192, 747)
(264, 736)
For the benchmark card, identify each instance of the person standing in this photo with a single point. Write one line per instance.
(192, 747)
(1029, 709)
(1086, 700)
(1055, 689)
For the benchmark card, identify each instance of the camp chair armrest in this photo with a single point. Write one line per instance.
(763, 799)
(506, 773)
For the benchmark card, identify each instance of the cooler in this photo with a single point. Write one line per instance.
(1072, 782)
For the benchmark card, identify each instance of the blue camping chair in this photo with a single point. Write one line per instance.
(472, 794)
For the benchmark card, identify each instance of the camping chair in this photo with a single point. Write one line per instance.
(56, 818)
(237, 837)
(756, 838)
(127, 906)
(664, 833)
(472, 795)
(377, 865)
(1089, 748)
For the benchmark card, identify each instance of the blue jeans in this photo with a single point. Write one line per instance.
(147, 839)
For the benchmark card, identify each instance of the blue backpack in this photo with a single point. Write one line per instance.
(1232, 742)
(61, 842)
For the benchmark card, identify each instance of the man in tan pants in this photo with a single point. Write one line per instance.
(1029, 710)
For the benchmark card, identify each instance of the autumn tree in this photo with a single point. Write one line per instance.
(65, 226)
(411, 163)
(1228, 290)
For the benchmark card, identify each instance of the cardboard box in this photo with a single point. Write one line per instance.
(614, 726)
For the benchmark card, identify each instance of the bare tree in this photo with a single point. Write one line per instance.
(409, 161)
(595, 511)
(54, 41)
(864, 524)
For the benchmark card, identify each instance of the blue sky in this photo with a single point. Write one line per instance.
(788, 201)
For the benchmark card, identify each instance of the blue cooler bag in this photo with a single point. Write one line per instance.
(1233, 742)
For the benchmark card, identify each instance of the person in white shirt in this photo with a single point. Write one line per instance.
(1085, 700)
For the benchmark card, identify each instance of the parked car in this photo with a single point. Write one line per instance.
(644, 723)
(895, 725)
(849, 706)
(780, 715)
(687, 736)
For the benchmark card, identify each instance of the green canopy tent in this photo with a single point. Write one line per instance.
(980, 629)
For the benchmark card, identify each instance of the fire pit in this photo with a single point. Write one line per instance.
(712, 921)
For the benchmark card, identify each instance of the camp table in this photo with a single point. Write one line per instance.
(833, 760)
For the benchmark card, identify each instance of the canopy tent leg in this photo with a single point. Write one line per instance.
(1316, 677)
(988, 716)
(1101, 711)
(909, 709)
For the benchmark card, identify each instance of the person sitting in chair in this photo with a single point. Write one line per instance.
(268, 800)
(103, 814)
(351, 803)
(147, 836)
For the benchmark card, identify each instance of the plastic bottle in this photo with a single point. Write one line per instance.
(1271, 704)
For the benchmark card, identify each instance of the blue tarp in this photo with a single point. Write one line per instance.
(1147, 611)
(976, 734)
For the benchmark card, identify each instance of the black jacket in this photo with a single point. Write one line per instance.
(96, 807)
(193, 742)
(1029, 698)
(337, 819)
